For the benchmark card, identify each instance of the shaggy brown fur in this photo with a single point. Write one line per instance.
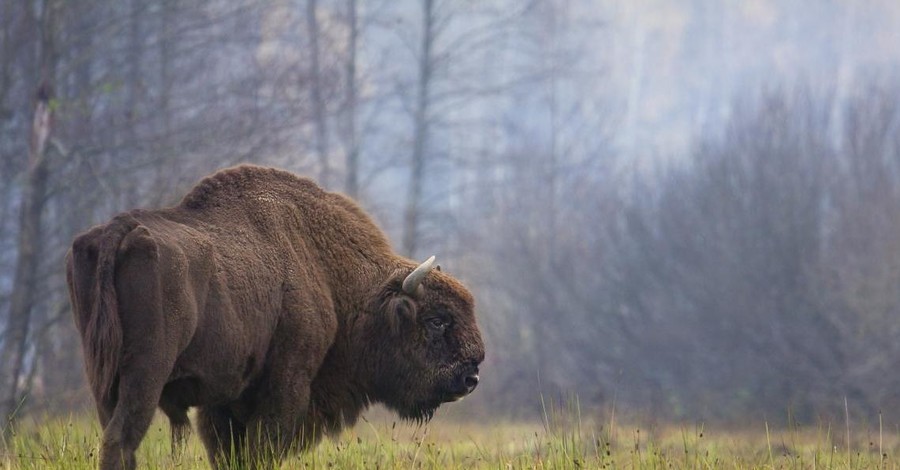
(275, 307)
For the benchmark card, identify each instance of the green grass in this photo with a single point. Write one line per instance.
(558, 443)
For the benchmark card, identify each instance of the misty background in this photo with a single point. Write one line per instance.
(681, 210)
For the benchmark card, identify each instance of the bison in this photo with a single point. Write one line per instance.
(276, 308)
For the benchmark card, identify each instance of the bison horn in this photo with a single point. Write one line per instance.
(411, 283)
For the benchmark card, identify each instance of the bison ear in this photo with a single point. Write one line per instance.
(398, 309)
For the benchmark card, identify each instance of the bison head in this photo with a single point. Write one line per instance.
(422, 342)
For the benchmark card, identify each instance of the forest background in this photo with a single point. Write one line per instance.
(682, 210)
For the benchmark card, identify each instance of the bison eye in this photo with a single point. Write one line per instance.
(436, 324)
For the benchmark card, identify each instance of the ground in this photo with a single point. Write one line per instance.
(379, 442)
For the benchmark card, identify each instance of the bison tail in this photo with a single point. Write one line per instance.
(102, 332)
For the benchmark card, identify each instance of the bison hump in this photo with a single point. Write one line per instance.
(231, 184)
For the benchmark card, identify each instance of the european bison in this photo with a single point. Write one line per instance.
(275, 307)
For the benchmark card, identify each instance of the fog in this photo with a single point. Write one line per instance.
(682, 210)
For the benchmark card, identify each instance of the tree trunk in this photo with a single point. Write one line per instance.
(420, 137)
(166, 143)
(321, 126)
(134, 84)
(351, 186)
(12, 355)
(6, 56)
(29, 245)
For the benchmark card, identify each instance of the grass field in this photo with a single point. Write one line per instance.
(381, 443)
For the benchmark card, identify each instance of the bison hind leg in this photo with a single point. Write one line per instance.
(179, 423)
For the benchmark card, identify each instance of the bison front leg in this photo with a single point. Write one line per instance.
(223, 436)
(305, 332)
(275, 426)
(265, 436)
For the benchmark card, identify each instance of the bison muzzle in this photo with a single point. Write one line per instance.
(276, 308)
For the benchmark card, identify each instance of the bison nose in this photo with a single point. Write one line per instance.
(470, 378)
(463, 384)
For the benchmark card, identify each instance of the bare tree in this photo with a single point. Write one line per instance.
(30, 235)
(420, 131)
(351, 137)
(316, 95)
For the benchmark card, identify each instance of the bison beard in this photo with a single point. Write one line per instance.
(274, 307)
